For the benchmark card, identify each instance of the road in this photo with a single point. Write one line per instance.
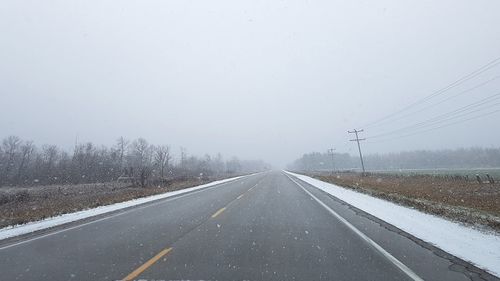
(261, 227)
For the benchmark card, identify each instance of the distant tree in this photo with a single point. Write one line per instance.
(27, 150)
(183, 157)
(218, 165)
(49, 153)
(22, 163)
(122, 145)
(233, 166)
(141, 160)
(162, 158)
(10, 147)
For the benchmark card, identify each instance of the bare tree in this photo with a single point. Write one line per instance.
(27, 150)
(233, 166)
(22, 163)
(122, 145)
(218, 164)
(10, 147)
(141, 160)
(50, 156)
(183, 157)
(162, 158)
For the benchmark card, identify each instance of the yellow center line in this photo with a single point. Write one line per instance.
(145, 266)
(239, 197)
(218, 212)
(154, 259)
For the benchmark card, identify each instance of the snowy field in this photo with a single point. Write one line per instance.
(16, 230)
(481, 249)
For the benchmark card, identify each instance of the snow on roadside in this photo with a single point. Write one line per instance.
(481, 249)
(11, 231)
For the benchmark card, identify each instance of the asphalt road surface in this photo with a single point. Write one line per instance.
(267, 226)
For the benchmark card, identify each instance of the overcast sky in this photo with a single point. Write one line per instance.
(254, 79)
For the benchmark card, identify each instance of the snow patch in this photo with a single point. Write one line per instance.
(479, 248)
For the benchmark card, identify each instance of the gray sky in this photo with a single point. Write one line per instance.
(255, 79)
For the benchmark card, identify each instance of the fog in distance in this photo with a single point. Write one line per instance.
(263, 80)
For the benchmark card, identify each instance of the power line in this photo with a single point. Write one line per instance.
(446, 116)
(438, 103)
(440, 127)
(422, 126)
(461, 80)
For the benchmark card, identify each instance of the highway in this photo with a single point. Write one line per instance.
(267, 226)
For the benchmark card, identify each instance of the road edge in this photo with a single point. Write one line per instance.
(473, 270)
(14, 234)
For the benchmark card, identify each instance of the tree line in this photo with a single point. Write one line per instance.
(136, 161)
(420, 159)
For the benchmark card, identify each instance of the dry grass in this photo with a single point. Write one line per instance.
(24, 204)
(459, 200)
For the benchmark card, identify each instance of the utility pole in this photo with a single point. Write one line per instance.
(357, 139)
(330, 151)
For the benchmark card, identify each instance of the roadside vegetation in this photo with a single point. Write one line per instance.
(461, 184)
(450, 161)
(19, 205)
(459, 198)
(40, 182)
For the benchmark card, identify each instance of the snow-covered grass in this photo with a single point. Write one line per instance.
(12, 231)
(481, 249)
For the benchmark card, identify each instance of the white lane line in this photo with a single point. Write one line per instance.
(133, 208)
(367, 239)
